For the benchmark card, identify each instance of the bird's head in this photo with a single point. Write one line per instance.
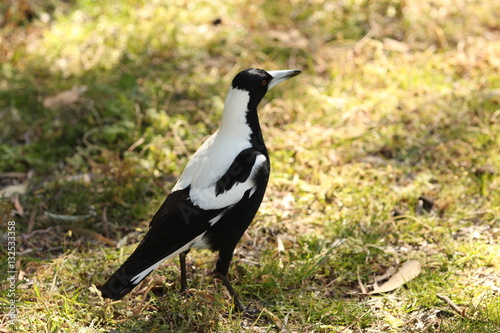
(257, 81)
(253, 83)
(247, 90)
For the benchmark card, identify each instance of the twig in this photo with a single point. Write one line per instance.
(31, 223)
(142, 305)
(105, 227)
(363, 41)
(18, 206)
(136, 144)
(361, 285)
(280, 325)
(452, 305)
(36, 232)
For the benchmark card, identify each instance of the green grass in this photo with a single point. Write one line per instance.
(397, 100)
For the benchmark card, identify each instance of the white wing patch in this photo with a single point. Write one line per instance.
(205, 197)
(252, 191)
(211, 161)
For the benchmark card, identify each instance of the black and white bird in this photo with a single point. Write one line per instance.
(217, 195)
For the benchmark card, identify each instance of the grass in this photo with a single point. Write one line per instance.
(398, 100)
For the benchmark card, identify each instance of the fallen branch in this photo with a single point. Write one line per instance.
(452, 305)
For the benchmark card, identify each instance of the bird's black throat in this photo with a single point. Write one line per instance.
(256, 138)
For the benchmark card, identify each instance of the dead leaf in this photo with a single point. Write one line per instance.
(410, 270)
(11, 190)
(18, 206)
(395, 45)
(281, 246)
(64, 98)
(94, 235)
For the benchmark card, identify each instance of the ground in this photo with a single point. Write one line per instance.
(385, 151)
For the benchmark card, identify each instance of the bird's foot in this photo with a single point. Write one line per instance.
(250, 312)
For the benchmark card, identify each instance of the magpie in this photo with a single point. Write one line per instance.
(217, 195)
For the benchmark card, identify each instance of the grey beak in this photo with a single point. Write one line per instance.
(282, 75)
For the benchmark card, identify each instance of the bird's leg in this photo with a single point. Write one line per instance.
(182, 260)
(221, 271)
(233, 293)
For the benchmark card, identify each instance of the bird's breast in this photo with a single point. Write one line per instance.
(210, 162)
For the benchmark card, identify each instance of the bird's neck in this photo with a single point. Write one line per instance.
(240, 119)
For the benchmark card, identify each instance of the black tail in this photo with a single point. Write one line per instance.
(150, 253)
(118, 285)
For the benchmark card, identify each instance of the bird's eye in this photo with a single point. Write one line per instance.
(264, 83)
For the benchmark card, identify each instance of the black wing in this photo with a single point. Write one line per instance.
(238, 172)
(175, 225)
